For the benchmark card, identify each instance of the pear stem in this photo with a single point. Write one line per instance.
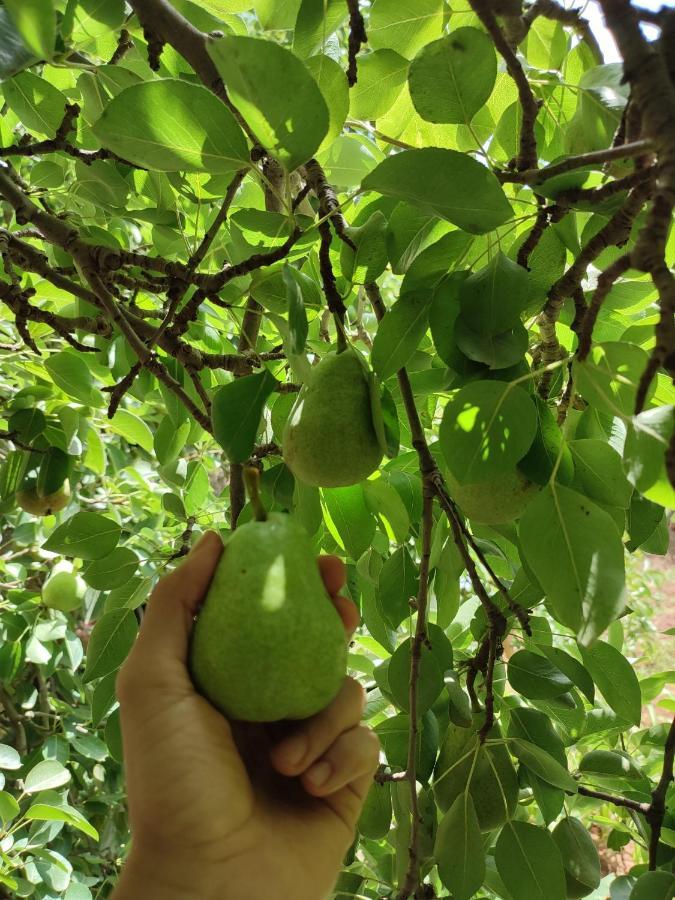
(252, 481)
(342, 342)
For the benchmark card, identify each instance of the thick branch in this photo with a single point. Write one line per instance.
(594, 158)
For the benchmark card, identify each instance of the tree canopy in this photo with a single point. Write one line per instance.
(199, 202)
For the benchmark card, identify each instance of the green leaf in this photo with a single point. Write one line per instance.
(611, 764)
(86, 535)
(615, 678)
(536, 677)
(397, 586)
(54, 469)
(400, 332)
(132, 428)
(332, 82)
(69, 371)
(9, 758)
(14, 54)
(572, 668)
(542, 764)
(458, 849)
(169, 440)
(173, 126)
(497, 351)
(393, 733)
(381, 76)
(94, 21)
(429, 683)
(599, 472)
(37, 103)
(382, 499)
(113, 736)
(654, 886)
(404, 25)
(41, 812)
(12, 472)
(493, 298)
(291, 122)
(236, 412)
(9, 808)
(46, 775)
(444, 183)
(112, 571)
(27, 424)
(354, 525)
(317, 20)
(575, 551)
(647, 439)
(530, 863)
(487, 427)
(103, 698)
(35, 20)
(111, 640)
(541, 459)
(370, 259)
(609, 376)
(579, 854)
(452, 78)
(297, 316)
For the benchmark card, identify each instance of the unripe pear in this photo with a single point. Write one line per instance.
(329, 439)
(63, 590)
(268, 643)
(31, 502)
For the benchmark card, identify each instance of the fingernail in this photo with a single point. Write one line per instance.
(319, 773)
(294, 750)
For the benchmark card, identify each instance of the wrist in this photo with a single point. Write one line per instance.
(145, 876)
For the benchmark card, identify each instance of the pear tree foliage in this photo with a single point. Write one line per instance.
(199, 202)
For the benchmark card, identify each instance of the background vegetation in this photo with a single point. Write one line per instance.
(191, 219)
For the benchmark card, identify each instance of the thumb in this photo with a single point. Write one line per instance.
(172, 606)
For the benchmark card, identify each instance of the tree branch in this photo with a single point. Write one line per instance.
(527, 156)
(657, 808)
(412, 879)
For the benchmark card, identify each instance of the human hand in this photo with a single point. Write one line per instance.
(232, 810)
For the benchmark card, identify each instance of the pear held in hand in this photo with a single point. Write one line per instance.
(330, 439)
(268, 643)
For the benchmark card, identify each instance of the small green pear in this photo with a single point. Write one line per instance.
(329, 439)
(63, 590)
(493, 780)
(268, 643)
(496, 501)
(32, 502)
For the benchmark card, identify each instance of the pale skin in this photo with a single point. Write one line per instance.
(226, 810)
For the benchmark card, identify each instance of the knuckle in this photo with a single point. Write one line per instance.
(355, 692)
(372, 744)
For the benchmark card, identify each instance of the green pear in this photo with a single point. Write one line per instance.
(496, 501)
(268, 643)
(63, 590)
(493, 780)
(329, 439)
(32, 502)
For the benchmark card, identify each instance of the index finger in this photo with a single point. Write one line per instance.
(334, 574)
